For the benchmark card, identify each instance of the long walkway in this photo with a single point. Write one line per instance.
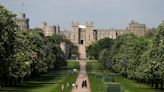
(82, 73)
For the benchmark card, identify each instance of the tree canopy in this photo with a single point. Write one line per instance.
(26, 53)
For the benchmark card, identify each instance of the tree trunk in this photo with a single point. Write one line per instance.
(152, 84)
(162, 85)
(156, 84)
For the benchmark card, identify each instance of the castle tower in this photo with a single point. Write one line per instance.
(89, 33)
(50, 30)
(57, 29)
(75, 33)
(137, 28)
(23, 22)
(44, 24)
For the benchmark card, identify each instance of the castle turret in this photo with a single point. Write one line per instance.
(23, 22)
(75, 33)
(57, 29)
(90, 33)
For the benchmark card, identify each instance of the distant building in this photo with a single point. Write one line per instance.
(23, 22)
(50, 30)
(137, 28)
(87, 34)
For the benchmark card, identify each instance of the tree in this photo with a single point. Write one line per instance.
(8, 28)
(156, 57)
(95, 49)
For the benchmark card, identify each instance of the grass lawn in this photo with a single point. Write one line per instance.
(128, 85)
(97, 85)
(50, 82)
(134, 86)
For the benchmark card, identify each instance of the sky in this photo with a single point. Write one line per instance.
(104, 13)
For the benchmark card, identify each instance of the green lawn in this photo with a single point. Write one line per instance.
(50, 82)
(133, 86)
(97, 85)
(128, 85)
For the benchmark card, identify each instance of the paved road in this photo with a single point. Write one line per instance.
(82, 73)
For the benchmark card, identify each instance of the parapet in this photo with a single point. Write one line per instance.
(90, 23)
(75, 23)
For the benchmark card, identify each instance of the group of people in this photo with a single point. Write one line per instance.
(84, 84)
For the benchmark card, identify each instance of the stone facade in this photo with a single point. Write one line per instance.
(81, 34)
(87, 35)
(23, 22)
(137, 28)
(50, 30)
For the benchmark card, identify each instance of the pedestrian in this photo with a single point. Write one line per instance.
(62, 87)
(76, 86)
(113, 80)
(73, 85)
(83, 84)
(67, 84)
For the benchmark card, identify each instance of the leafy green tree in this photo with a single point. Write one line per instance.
(95, 49)
(23, 56)
(8, 28)
(156, 58)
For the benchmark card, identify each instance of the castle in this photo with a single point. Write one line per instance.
(86, 35)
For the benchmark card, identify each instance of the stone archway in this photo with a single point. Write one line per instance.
(81, 41)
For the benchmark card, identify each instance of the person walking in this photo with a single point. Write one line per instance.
(73, 85)
(76, 86)
(83, 84)
(67, 84)
(62, 87)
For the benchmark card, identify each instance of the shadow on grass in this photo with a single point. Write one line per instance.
(12, 90)
(47, 79)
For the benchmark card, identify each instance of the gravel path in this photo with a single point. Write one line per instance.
(82, 73)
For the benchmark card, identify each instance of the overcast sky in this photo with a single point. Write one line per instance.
(104, 13)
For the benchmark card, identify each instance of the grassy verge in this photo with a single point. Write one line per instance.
(128, 85)
(134, 86)
(50, 82)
